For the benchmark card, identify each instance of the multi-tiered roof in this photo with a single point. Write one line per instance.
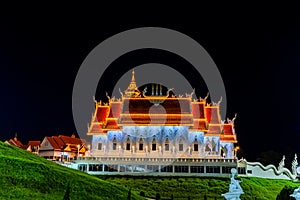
(137, 109)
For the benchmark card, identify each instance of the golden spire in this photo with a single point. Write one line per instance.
(132, 90)
(132, 77)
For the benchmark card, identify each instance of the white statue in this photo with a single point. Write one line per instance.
(235, 189)
(294, 165)
(296, 193)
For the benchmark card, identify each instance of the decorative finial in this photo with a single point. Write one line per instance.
(107, 96)
(235, 115)
(94, 99)
(219, 102)
(206, 96)
(132, 77)
(16, 136)
(144, 91)
(121, 92)
(132, 90)
(281, 164)
(190, 95)
(294, 165)
(169, 90)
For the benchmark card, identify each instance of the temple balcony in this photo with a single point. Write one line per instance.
(166, 160)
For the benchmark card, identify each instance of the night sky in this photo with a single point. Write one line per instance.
(257, 54)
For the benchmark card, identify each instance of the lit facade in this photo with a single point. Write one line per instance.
(159, 133)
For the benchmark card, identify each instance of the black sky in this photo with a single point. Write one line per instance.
(257, 54)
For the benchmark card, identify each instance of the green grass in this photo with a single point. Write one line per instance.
(27, 176)
(196, 188)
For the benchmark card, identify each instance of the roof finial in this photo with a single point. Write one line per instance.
(132, 78)
(16, 136)
(132, 90)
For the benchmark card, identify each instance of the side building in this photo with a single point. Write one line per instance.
(62, 148)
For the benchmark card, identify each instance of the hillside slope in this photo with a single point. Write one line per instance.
(197, 188)
(27, 176)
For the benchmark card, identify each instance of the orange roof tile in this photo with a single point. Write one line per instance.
(214, 128)
(70, 140)
(96, 128)
(143, 105)
(61, 141)
(112, 124)
(15, 142)
(53, 143)
(199, 125)
(115, 109)
(152, 119)
(212, 115)
(102, 113)
(228, 129)
(34, 143)
(198, 110)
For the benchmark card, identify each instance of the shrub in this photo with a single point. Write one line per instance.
(285, 193)
(157, 196)
(142, 193)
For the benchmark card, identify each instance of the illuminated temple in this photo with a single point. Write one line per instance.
(157, 131)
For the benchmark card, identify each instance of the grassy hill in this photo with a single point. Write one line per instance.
(196, 188)
(27, 176)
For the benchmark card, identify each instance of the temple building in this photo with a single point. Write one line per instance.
(159, 132)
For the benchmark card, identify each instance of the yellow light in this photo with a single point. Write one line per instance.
(200, 119)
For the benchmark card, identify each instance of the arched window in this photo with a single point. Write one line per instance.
(153, 144)
(99, 145)
(114, 144)
(167, 144)
(141, 145)
(196, 145)
(180, 145)
(128, 144)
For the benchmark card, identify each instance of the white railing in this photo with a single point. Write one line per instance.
(155, 159)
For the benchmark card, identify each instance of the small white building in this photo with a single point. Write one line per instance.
(33, 146)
